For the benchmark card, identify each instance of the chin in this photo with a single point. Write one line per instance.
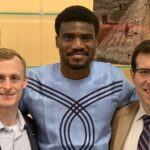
(78, 67)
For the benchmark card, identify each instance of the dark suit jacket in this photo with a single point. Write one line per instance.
(31, 130)
(121, 125)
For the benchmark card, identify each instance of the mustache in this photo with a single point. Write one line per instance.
(77, 52)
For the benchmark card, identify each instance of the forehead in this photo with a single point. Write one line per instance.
(11, 65)
(143, 60)
(76, 26)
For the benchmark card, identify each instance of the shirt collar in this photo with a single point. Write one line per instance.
(1, 125)
(141, 112)
(20, 121)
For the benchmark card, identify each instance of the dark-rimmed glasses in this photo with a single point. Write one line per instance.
(143, 72)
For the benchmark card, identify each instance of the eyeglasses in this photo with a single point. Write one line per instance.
(143, 72)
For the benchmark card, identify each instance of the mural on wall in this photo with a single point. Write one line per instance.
(123, 24)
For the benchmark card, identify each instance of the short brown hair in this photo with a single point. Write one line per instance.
(7, 54)
(144, 48)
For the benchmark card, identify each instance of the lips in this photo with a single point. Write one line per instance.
(7, 94)
(77, 53)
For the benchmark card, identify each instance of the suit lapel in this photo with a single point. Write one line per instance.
(124, 124)
(31, 133)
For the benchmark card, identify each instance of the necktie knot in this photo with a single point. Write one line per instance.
(144, 139)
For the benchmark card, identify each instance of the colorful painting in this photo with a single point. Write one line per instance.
(123, 24)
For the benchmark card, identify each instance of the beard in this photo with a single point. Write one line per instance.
(78, 65)
(77, 60)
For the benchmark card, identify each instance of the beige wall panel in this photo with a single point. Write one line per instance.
(30, 33)
(50, 52)
(20, 5)
(59, 5)
(22, 33)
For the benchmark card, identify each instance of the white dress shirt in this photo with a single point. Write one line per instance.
(14, 137)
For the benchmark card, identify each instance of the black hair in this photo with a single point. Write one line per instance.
(143, 47)
(77, 13)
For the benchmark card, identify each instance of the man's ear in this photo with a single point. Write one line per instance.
(132, 74)
(25, 82)
(56, 38)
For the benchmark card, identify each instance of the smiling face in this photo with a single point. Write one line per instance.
(141, 79)
(77, 43)
(12, 82)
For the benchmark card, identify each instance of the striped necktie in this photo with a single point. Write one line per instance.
(144, 139)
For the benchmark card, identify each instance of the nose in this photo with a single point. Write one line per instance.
(148, 80)
(78, 43)
(7, 84)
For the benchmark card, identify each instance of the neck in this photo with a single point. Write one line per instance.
(8, 117)
(146, 108)
(75, 74)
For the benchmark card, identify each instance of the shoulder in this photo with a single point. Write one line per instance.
(107, 69)
(127, 109)
(29, 120)
(40, 71)
(106, 66)
(30, 125)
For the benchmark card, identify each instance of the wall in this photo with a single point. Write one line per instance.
(126, 70)
(28, 27)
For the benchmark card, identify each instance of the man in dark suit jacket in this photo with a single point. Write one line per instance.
(128, 123)
(16, 131)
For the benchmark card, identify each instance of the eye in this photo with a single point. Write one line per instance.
(15, 78)
(2, 78)
(143, 71)
(67, 37)
(87, 38)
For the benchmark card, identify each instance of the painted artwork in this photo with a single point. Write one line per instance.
(123, 25)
